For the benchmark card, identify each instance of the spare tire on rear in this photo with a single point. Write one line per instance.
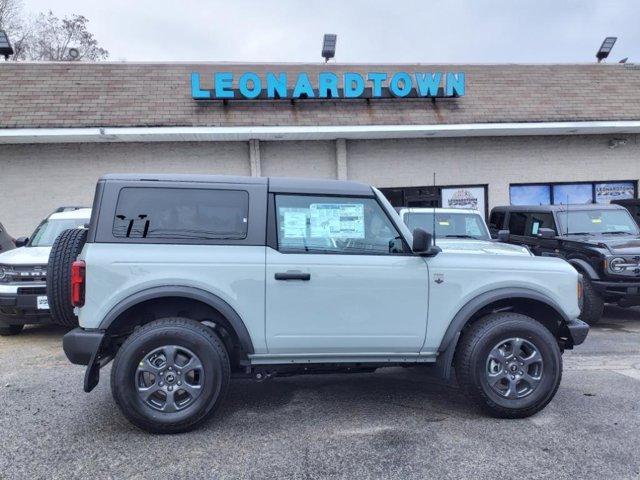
(64, 252)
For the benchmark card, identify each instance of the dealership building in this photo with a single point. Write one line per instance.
(491, 134)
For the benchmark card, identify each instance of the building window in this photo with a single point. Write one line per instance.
(572, 193)
(605, 192)
(530, 194)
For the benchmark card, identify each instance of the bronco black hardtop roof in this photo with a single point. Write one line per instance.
(557, 208)
(275, 184)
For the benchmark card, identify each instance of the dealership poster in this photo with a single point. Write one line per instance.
(471, 198)
(333, 220)
(605, 192)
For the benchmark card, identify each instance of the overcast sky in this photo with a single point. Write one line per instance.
(427, 31)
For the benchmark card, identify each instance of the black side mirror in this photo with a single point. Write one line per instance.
(546, 233)
(422, 243)
(504, 236)
(22, 241)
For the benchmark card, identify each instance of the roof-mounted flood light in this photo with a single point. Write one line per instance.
(5, 45)
(329, 46)
(605, 48)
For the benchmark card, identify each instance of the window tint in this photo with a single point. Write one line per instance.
(335, 225)
(538, 221)
(517, 223)
(497, 220)
(181, 213)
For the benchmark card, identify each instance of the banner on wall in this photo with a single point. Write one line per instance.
(605, 192)
(471, 198)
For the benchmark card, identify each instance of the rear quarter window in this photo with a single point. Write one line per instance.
(181, 213)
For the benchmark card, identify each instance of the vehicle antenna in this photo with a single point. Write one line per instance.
(567, 214)
(434, 211)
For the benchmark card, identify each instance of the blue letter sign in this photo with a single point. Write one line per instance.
(323, 85)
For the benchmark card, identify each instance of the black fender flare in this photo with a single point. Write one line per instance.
(214, 301)
(449, 342)
(472, 306)
(584, 266)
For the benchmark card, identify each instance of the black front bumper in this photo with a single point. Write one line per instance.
(578, 331)
(22, 307)
(86, 347)
(618, 290)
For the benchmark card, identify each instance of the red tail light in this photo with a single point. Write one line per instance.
(78, 269)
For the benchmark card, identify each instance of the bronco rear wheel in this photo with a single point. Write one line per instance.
(509, 364)
(170, 375)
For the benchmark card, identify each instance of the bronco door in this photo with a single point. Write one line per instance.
(341, 279)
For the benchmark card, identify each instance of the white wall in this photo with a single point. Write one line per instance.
(35, 179)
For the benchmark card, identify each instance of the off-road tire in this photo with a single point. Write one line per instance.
(472, 355)
(593, 304)
(9, 330)
(64, 252)
(181, 332)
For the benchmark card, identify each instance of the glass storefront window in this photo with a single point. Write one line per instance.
(530, 194)
(605, 192)
(573, 193)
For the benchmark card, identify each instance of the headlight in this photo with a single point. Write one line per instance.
(617, 264)
(2, 273)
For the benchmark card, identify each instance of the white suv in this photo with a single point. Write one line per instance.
(186, 281)
(457, 230)
(23, 271)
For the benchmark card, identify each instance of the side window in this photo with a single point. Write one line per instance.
(496, 220)
(538, 221)
(517, 223)
(181, 214)
(339, 225)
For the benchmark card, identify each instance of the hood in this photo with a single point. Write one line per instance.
(450, 245)
(618, 244)
(26, 256)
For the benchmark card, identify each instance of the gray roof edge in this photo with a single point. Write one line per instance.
(275, 184)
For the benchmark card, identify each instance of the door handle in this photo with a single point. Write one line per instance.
(292, 276)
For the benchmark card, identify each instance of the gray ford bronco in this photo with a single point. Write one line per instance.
(186, 281)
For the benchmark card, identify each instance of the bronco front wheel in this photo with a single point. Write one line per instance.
(509, 364)
(170, 375)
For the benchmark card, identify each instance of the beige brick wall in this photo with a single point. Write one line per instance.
(35, 179)
(315, 159)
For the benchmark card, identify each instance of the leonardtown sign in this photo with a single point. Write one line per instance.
(325, 85)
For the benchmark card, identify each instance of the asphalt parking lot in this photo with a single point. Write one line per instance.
(396, 423)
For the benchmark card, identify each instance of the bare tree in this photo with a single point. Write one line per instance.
(54, 37)
(18, 31)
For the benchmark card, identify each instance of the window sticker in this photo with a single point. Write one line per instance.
(443, 223)
(472, 227)
(535, 227)
(294, 222)
(333, 220)
(596, 220)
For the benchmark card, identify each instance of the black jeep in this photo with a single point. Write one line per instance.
(601, 241)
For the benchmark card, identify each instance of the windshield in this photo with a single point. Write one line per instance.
(449, 225)
(48, 231)
(596, 222)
